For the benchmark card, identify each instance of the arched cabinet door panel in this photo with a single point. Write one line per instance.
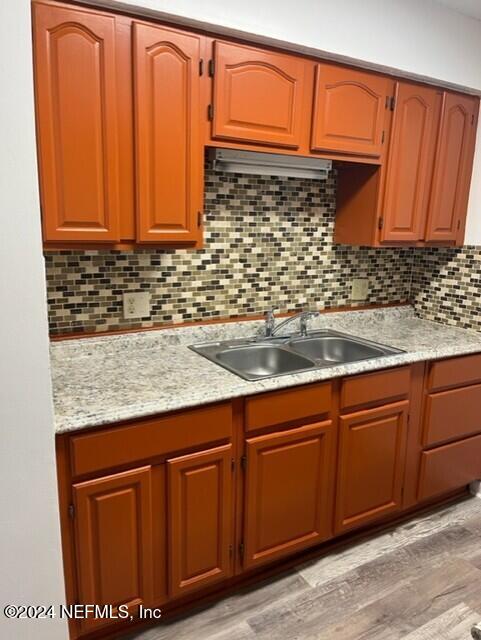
(259, 96)
(169, 152)
(349, 111)
(76, 96)
(410, 162)
(452, 170)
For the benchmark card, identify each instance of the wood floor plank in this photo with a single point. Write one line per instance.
(339, 561)
(424, 575)
(229, 613)
(341, 598)
(453, 624)
(413, 605)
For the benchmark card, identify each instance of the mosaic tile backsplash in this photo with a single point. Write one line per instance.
(446, 286)
(267, 241)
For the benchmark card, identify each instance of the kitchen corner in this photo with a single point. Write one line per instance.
(241, 320)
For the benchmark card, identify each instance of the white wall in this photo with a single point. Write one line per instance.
(422, 39)
(30, 557)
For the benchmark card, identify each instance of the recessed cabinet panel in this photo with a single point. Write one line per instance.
(200, 519)
(114, 541)
(410, 162)
(169, 152)
(349, 111)
(76, 96)
(289, 491)
(259, 95)
(452, 173)
(371, 464)
(450, 467)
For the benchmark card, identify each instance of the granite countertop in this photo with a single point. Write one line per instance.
(112, 378)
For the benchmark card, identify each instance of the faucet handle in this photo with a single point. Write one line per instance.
(304, 318)
(270, 320)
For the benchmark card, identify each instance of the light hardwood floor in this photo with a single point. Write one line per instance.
(418, 581)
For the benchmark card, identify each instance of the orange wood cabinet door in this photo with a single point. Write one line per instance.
(289, 491)
(259, 95)
(371, 464)
(76, 96)
(410, 162)
(349, 111)
(200, 519)
(169, 150)
(113, 519)
(452, 170)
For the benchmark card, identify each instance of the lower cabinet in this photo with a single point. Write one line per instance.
(114, 542)
(371, 464)
(200, 519)
(217, 491)
(289, 491)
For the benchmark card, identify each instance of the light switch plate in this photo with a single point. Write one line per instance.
(136, 304)
(359, 289)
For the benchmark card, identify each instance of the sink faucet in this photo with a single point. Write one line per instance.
(271, 329)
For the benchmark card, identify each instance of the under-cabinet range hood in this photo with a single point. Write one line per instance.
(268, 164)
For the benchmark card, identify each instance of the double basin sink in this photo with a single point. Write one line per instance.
(258, 358)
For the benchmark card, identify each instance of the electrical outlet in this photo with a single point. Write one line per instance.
(359, 289)
(136, 304)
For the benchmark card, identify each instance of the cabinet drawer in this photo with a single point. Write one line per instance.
(288, 405)
(149, 438)
(455, 372)
(450, 467)
(374, 388)
(452, 414)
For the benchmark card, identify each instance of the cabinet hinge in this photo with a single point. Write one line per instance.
(380, 223)
(244, 462)
(201, 67)
(232, 465)
(392, 103)
(71, 511)
(211, 68)
(472, 119)
(241, 550)
(459, 225)
(199, 218)
(382, 137)
(210, 112)
(231, 550)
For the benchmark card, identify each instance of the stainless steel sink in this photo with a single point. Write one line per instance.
(262, 360)
(258, 358)
(335, 348)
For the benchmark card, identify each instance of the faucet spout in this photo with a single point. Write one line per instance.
(303, 317)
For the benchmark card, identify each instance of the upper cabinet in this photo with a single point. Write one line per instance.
(410, 163)
(452, 172)
(169, 150)
(125, 109)
(119, 118)
(420, 195)
(349, 111)
(76, 94)
(259, 96)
